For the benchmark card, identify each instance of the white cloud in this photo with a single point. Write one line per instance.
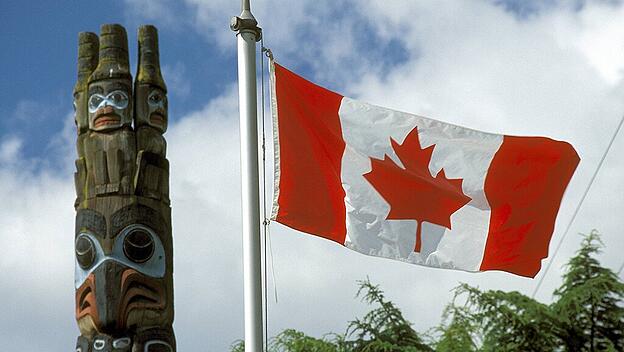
(150, 10)
(9, 150)
(29, 110)
(601, 40)
(321, 34)
(177, 82)
(36, 264)
(205, 195)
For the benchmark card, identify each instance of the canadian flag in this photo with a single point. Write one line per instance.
(401, 186)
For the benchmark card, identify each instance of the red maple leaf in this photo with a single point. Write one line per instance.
(411, 191)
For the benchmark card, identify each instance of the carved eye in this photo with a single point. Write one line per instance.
(85, 251)
(118, 99)
(156, 98)
(138, 246)
(94, 102)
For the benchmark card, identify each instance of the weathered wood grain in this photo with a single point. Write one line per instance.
(124, 284)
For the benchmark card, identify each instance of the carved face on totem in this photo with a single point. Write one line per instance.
(109, 104)
(123, 271)
(152, 106)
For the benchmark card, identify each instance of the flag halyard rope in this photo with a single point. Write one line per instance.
(266, 221)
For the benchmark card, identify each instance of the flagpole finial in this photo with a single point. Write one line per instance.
(246, 22)
(245, 6)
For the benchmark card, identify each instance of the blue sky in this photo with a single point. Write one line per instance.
(42, 42)
(551, 68)
(41, 45)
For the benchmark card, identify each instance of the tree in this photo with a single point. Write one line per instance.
(457, 332)
(507, 321)
(237, 346)
(587, 315)
(295, 341)
(383, 328)
(590, 302)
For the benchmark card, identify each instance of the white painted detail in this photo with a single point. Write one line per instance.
(155, 266)
(461, 152)
(99, 344)
(157, 343)
(122, 342)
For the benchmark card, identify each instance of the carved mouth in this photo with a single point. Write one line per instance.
(107, 120)
(140, 293)
(106, 116)
(157, 119)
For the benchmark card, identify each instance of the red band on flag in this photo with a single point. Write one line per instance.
(524, 186)
(311, 197)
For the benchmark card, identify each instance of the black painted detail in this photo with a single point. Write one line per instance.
(137, 214)
(91, 220)
(85, 251)
(138, 246)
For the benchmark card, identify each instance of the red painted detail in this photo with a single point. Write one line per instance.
(524, 186)
(311, 197)
(411, 191)
(86, 304)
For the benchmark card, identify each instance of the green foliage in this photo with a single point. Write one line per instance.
(383, 329)
(457, 330)
(587, 315)
(296, 341)
(238, 346)
(590, 302)
(509, 321)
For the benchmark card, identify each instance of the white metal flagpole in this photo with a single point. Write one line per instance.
(248, 33)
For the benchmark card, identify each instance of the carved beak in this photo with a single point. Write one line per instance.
(107, 300)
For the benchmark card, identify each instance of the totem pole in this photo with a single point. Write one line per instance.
(123, 240)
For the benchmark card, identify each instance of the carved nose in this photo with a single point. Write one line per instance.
(107, 288)
(106, 109)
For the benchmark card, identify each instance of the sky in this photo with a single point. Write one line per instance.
(546, 68)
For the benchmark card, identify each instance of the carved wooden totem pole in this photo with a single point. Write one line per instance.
(123, 243)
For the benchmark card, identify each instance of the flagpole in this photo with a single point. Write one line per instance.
(248, 33)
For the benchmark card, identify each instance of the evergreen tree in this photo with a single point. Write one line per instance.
(508, 321)
(383, 328)
(295, 341)
(588, 315)
(457, 332)
(590, 302)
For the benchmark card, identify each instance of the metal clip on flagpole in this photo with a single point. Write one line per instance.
(248, 33)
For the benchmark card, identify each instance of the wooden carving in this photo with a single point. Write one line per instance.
(123, 241)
